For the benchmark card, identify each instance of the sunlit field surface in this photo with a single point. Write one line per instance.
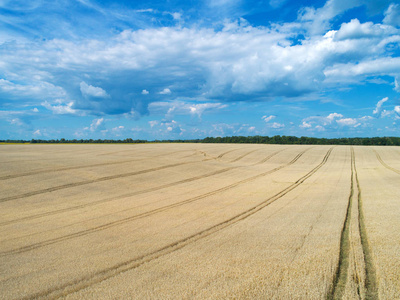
(199, 221)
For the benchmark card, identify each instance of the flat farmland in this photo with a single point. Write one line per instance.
(199, 221)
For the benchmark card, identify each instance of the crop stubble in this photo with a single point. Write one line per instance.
(198, 221)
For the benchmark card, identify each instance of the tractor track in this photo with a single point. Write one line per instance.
(168, 185)
(97, 277)
(149, 213)
(384, 164)
(125, 195)
(90, 181)
(370, 271)
(342, 270)
(37, 172)
(242, 156)
(270, 156)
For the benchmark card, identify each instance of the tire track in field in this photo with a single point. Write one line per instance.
(168, 185)
(370, 271)
(138, 192)
(384, 164)
(242, 156)
(342, 268)
(149, 213)
(270, 156)
(76, 167)
(87, 281)
(223, 154)
(105, 178)
(342, 271)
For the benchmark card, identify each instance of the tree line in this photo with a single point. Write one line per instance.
(287, 140)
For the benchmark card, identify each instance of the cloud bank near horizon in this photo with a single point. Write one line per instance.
(139, 66)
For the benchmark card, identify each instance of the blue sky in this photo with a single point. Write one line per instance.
(191, 69)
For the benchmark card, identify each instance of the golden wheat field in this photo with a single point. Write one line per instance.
(199, 221)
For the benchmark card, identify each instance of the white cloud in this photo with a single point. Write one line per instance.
(355, 30)
(333, 116)
(240, 62)
(97, 124)
(117, 131)
(396, 84)
(372, 67)
(276, 125)
(397, 110)
(183, 108)
(267, 119)
(35, 110)
(92, 91)
(378, 109)
(153, 123)
(319, 20)
(320, 121)
(392, 15)
(62, 108)
(36, 89)
(305, 125)
(165, 91)
(347, 122)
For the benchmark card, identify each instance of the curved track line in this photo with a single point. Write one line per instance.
(168, 185)
(154, 189)
(105, 178)
(384, 164)
(223, 154)
(270, 156)
(145, 214)
(133, 263)
(76, 167)
(244, 155)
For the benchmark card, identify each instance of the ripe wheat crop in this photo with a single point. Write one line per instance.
(199, 221)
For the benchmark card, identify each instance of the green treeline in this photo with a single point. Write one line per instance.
(386, 141)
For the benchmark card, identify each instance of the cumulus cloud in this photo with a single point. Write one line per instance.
(355, 30)
(347, 122)
(92, 91)
(378, 109)
(276, 125)
(242, 62)
(61, 108)
(305, 125)
(165, 91)
(320, 121)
